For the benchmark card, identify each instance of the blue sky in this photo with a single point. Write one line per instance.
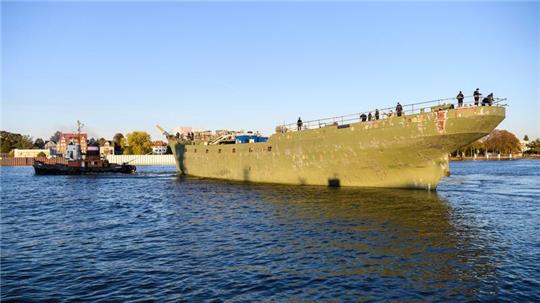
(125, 66)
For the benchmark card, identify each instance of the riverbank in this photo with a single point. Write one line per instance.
(495, 158)
(119, 159)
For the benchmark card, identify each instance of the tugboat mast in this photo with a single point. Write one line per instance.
(80, 125)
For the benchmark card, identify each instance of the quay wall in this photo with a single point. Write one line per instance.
(28, 161)
(132, 159)
(142, 159)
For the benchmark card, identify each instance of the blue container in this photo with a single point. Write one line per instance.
(246, 138)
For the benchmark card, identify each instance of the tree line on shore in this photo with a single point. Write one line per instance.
(498, 142)
(134, 143)
(140, 143)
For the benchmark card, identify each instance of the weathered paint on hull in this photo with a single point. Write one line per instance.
(401, 152)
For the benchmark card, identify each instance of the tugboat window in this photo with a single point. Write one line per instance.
(269, 148)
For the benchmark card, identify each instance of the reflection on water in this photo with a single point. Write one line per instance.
(383, 237)
(156, 236)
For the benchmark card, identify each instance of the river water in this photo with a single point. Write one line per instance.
(155, 236)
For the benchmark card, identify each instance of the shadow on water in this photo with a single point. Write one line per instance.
(371, 238)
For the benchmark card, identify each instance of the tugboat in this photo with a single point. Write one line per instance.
(76, 164)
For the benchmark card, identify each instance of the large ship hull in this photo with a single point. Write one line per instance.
(401, 152)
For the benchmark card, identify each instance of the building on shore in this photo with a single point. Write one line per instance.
(524, 145)
(67, 138)
(159, 147)
(181, 130)
(106, 149)
(51, 146)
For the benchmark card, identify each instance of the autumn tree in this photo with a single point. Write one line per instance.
(102, 141)
(137, 143)
(502, 141)
(499, 141)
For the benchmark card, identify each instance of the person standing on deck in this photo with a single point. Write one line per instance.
(476, 96)
(460, 98)
(369, 116)
(299, 123)
(399, 109)
(376, 114)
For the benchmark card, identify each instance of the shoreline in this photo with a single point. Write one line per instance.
(496, 158)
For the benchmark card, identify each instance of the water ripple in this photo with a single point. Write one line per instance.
(155, 236)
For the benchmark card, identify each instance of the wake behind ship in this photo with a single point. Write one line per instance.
(407, 151)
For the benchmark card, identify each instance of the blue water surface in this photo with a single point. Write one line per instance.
(156, 236)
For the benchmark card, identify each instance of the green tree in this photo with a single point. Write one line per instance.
(56, 136)
(9, 141)
(117, 141)
(102, 141)
(526, 138)
(137, 143)
(39, 143)
(534, 147)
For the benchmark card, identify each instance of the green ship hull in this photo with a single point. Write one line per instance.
(410, 151)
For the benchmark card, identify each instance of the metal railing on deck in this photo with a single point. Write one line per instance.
(385, 113)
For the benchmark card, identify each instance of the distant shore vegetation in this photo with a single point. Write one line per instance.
(499, 142)
(140, 143)
(137, 143)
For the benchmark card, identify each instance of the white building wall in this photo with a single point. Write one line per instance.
(29, 153)
(142, 159)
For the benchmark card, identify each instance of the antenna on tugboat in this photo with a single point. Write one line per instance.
(80, 125)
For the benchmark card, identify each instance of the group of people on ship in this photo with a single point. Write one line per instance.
(399, 108)
(476, 95)
(188, 136)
